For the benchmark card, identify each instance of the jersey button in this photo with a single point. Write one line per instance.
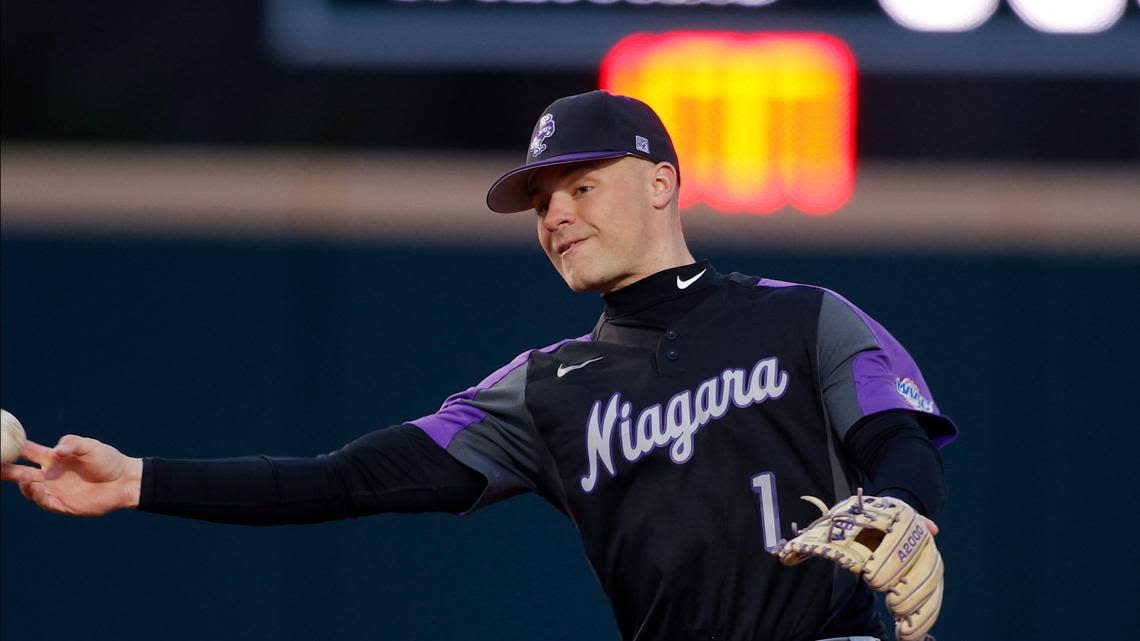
(672, 355)
(670, 335)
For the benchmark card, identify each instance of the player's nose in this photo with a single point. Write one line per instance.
(560, 211)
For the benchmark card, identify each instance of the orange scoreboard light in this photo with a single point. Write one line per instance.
(759, 121)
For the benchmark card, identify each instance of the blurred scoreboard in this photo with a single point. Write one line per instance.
(1099, 38)
(759, 95)
(760, 121)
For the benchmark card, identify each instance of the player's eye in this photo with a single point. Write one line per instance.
(540, 207)
(584, 188)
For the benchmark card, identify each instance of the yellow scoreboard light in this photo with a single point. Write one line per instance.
(760, 121)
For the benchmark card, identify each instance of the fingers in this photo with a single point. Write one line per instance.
(26, 490)
(36, 453)
(20, 473)
(30, 480)
(69, 445)
(72, 445)
(932, 525)
(38, 493)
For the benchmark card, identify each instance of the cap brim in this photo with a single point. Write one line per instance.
(511, 192)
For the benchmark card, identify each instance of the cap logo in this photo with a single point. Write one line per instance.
(544, 130)
(641, 143)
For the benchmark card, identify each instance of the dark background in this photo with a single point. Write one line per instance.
(188, 347)
(228, 349)
(199, 72)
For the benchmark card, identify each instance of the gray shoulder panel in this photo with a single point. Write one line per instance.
(842, 335)
(501, 445)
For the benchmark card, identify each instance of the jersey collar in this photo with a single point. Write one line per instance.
(676, 282)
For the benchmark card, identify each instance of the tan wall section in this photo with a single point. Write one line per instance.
(398, 196)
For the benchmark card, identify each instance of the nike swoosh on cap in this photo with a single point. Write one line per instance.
(682, 284)
(565, 369)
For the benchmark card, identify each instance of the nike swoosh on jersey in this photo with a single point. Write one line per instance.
(682, 284)
(565, 369)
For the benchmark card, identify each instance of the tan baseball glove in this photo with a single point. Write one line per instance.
(889, 544)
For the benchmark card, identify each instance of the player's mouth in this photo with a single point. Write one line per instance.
(565, 247)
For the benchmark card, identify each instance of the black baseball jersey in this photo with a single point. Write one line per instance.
(678, 436)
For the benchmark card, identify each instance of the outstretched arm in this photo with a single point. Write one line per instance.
(397, 469)
(79, 476)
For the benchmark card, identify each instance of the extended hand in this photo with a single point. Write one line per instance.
(79, 476)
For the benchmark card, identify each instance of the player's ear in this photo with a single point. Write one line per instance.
(664, 185)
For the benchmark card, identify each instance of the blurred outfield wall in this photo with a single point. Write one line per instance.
(181, 347)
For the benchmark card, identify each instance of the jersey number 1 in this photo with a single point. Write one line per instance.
(764, 485)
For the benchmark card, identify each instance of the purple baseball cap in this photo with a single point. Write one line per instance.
(588, 126)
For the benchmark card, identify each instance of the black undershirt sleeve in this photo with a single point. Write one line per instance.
(893, 450)
(396, 469)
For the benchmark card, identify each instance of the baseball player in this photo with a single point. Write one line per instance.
(677, 435)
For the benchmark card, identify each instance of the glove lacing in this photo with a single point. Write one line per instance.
(834, 521)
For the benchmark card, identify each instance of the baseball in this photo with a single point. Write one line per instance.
(12, 437)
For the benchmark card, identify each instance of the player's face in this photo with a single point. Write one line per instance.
(597, 222)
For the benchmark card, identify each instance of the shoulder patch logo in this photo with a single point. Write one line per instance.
(543, 130)
(908, 389)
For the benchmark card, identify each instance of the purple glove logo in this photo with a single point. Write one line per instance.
(911, 543)
(839, 530)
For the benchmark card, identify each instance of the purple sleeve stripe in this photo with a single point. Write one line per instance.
(457, 414)
(887, 378)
